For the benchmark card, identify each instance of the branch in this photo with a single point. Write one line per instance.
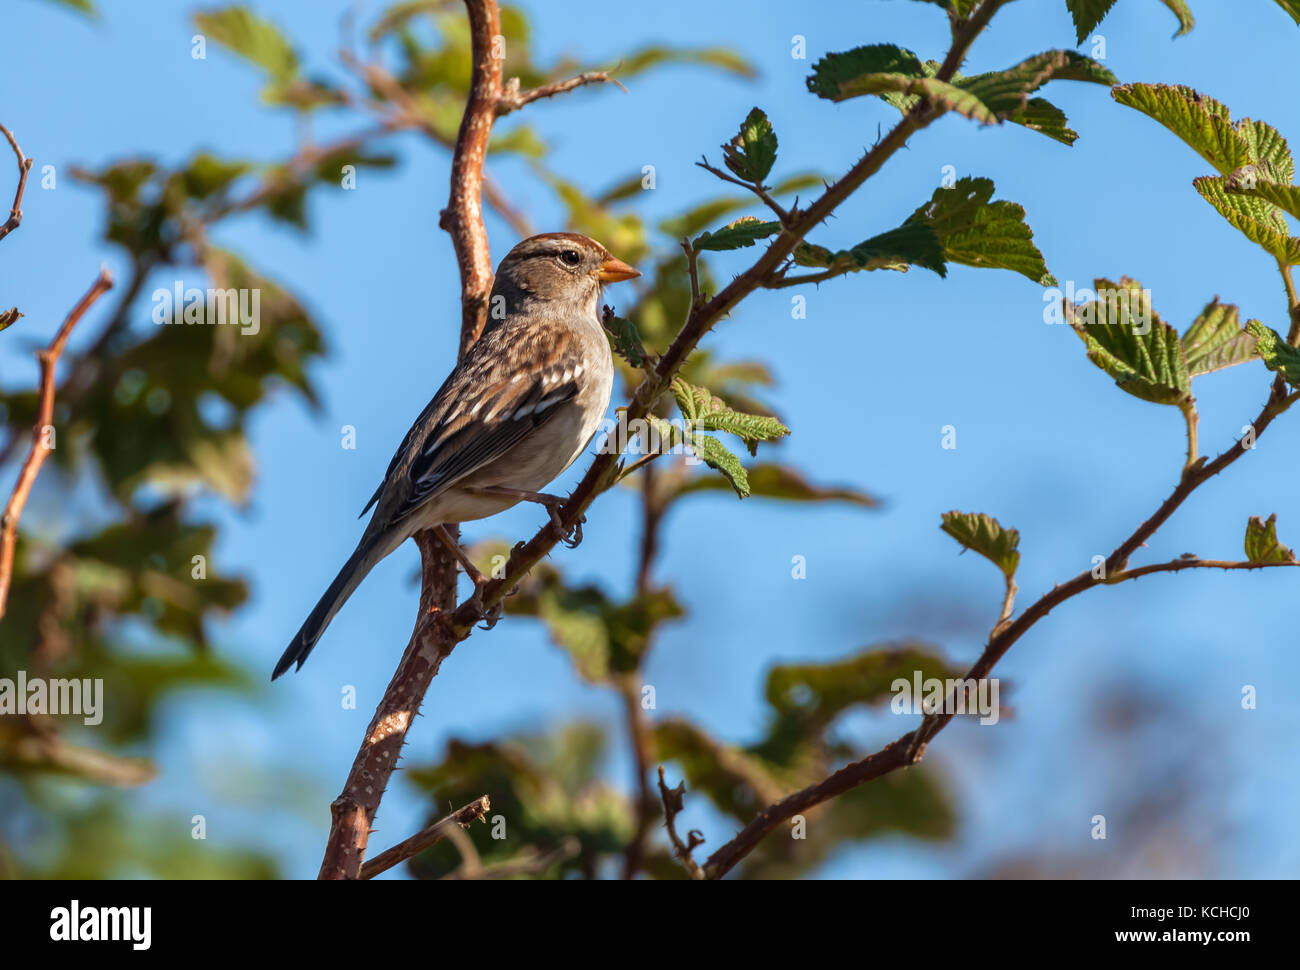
(49, 359)
(426, 838)
(512, 99)
(463, 217)
(24, 166)
(909, 748)
(672, 799)
(781, 214)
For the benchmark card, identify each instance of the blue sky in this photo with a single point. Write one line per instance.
(867, 381)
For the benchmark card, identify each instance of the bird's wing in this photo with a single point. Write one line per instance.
(508, 385)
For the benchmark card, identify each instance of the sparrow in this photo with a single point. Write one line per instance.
(517, 410)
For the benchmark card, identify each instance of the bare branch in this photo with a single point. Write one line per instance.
(463, 818)
(781, 214)
(512, 99)
(24, 166)
(49, 359)
(672, 799)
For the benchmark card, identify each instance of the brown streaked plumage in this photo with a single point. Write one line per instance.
(513, 414)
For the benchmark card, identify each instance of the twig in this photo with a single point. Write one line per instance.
(693, 270)
(425, 838)
(24, 166)
(49, 359)
(782, 215)
(672, 799)
(512, 99)
(1292, 303)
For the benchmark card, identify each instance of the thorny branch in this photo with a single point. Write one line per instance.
(475, 811)
(353, 812)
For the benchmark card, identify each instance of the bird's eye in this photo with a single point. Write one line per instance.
(571, 257)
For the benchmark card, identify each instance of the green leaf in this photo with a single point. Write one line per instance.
(740, 234)
(768, 480)
(83, 6)
(715, 454)
(1087, 15)
(705, 412)
(1042, 116)
(837, 76)
(821, 692)
(1247, 180)
(909, 244)
(1200, 121)
(1007, 92)
(625, 339)
(1259, 221)
(975, 231)
(752, 153)
(1292, 7)
(1127, 340)
(983, 534)
(1215, 340)
(1262, 544)
(245, 33)
(723, 58)
(1183, 12)
(1277, 354)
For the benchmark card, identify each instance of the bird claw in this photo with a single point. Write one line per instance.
(491, 617)
(570, 537)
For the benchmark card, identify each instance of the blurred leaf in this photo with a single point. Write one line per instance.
(259, 41)
(983, 534)
(1262, 544)
(780, 482)
(642, 60)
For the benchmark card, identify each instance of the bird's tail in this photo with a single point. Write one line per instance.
(349, 578)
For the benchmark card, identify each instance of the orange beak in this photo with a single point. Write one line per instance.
(614, 270)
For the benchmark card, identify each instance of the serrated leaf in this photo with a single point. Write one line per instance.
(752, 153)
(1042, 116)
(740, 234)
(1127, 340)
(1087, 14)
(1200, 121)
(1277, 354)
(975, 231)
(1258, 221)
(836, 75)
(985, 535)
(1007, 92)
(703, 411)
(1248, 180)
(1262, 544)
(715, 454)
(243, 32)
(1215, 340)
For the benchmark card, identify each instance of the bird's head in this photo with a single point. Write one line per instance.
(558, 267)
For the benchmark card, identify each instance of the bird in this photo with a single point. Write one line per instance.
(517, 410)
